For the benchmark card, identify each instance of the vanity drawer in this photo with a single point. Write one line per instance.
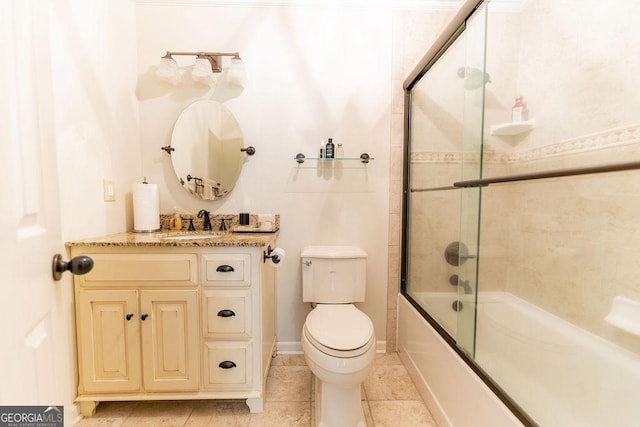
(226, 313)
(227, 365)
(142, 269)
(226, 269)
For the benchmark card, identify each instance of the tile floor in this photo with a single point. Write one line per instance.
(389, 399)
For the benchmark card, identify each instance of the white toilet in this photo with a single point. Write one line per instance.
(337, 339)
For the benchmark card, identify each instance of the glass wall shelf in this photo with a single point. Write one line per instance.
(364, 158)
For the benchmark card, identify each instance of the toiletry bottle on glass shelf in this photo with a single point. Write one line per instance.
(322, 150)
(339, 151)
(519, 111)
(329, 149)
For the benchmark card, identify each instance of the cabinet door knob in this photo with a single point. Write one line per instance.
(226, 313)
(129, 316)
(144, 316)
(227, 364)
(225, 268)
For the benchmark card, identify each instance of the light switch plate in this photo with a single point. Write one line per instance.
(109, 190)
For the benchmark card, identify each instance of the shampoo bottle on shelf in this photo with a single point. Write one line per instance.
(322, 150)
(339, 151)
(519, 110)
(329, 149)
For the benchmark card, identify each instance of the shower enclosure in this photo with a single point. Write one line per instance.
(521, 242)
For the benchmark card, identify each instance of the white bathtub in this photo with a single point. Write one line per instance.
(560, 374)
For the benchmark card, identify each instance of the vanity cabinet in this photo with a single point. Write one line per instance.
(138, 340)
(178, 322)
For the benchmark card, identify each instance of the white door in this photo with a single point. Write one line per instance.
(29, 211)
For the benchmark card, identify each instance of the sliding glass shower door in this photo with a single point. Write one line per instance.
(522, 233)
(447, 106)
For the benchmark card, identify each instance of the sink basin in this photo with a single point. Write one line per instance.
(198, 236)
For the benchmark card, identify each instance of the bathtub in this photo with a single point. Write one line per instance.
(558, 373)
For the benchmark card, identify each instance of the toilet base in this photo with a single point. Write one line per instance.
(338, 405)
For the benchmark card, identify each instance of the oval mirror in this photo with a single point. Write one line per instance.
(206, 155)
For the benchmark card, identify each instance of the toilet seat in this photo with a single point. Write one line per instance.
(339, 330)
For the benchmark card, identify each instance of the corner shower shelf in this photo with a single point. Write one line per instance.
(513, 128)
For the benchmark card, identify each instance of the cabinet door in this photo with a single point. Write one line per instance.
(169, 327)
(108, 341)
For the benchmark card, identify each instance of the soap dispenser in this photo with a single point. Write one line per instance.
(175, 223)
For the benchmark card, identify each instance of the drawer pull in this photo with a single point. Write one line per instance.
(225, 269)
(129, 316)
(144, 316)
(227, 364)
(226, 313)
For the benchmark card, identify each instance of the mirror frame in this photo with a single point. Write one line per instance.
(209, 134)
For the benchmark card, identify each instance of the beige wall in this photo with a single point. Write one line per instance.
(96, 135)
(315, 72)
(308, 80)
(96, 112)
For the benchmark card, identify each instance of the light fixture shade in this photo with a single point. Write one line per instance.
(202, 72)
(168, 71)
(237, 74)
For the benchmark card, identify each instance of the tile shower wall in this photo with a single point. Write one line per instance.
(413, 33)
(566, 245)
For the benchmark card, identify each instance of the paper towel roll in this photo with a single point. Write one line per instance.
(146, 208)
(276, 257)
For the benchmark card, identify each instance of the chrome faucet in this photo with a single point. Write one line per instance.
(207, 220)
(466, 286)
(454, 280)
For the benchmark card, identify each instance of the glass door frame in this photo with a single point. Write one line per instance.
(457, 27)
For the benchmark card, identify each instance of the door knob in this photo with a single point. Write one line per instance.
(78, 265)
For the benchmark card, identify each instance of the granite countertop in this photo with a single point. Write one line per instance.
(178, 239)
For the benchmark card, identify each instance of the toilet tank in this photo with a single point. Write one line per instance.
(333, 274)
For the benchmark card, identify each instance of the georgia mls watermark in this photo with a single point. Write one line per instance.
(31, 416)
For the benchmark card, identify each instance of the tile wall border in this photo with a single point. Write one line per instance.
(610, 138)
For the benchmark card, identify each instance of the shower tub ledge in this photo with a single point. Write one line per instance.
(560, 374)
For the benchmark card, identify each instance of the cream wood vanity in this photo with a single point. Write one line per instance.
(164, 319)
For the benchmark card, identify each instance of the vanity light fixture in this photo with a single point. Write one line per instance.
(168, 70)
(236, 74)
(207, 63)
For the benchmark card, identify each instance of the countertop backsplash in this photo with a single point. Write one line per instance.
(232, 221)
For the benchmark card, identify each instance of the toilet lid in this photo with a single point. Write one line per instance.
(339, 326)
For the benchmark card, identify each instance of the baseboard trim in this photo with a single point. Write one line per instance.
(289, 347)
